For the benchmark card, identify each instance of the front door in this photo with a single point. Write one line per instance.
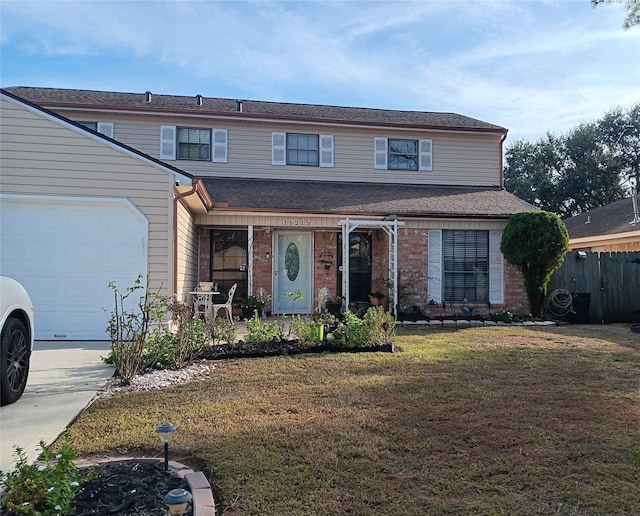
(293, 272)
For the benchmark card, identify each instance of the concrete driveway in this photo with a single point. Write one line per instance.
(63, 379)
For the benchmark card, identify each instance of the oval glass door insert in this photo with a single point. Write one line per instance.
(292, 261)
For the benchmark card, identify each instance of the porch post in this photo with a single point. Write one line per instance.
(250, 260)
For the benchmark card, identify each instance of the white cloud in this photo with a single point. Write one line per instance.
(529, 66)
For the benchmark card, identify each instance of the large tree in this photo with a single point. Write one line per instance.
(633, 10)
(535, 243)
(594, 164)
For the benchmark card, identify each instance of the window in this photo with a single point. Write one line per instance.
(105, 128)
(402, 154)
(309, 150)
(465, 256)
(302, 149)
(194, 144)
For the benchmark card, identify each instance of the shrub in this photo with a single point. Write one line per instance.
(48, 487)
(352, 333)
(222, 330)
(535, 243)
(128, 328)
(262, 331)
(379, 324)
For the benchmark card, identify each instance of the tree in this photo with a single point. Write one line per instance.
(632, 7)
(594, 164)
(535, 243)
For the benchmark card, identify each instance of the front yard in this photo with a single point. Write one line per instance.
(499, 420)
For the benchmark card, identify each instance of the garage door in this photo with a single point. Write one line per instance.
(65, 251)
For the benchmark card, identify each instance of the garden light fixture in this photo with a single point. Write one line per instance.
(177, 500)
(165, 431)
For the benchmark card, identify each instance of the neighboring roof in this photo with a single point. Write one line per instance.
(362, 198)
(94, 134)
(61, 98)
(611, 219)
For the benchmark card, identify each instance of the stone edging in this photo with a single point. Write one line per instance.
(203, 503)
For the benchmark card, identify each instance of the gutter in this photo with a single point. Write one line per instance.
(198, 189)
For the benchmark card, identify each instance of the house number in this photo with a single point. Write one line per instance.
(296, 222)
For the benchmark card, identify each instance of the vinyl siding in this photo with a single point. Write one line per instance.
(187, 238)
(41, 157)
(459, 158)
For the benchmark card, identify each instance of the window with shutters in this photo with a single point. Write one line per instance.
(307, 150)
(194, 144)
(105, 128)
(402, 154)
(302, 149)
(465, 259)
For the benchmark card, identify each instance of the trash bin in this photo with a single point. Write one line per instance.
(581, 306)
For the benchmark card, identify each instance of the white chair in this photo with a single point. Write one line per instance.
(226, 306)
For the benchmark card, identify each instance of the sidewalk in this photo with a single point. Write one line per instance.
(63, 378)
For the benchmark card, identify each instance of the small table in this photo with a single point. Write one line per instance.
(204, 299)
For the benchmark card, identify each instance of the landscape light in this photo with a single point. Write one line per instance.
(177, 500)
(165, 431)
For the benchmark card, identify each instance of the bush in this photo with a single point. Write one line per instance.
(262, 331)
(45, 488)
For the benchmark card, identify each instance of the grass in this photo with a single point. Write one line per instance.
(502, 420)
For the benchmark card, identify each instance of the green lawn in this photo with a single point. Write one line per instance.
(501, 420)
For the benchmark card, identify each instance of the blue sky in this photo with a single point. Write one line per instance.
(528, 65)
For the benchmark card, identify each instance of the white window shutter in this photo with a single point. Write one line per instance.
(105, 128)
(426, 160)
(380, 153)
(278, 148)
(434, 267)
(496, 269)
(326, 150)
(219, 149)
(168, 142)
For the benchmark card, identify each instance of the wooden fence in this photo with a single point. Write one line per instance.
(609, 283)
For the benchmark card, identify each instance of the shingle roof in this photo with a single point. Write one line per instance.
(55, 97)
(363, 198)
(606, 220)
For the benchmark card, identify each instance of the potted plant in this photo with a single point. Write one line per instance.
(249, 305)
(376, 297)
(334, 305)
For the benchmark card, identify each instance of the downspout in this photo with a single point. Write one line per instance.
(504, 137)
(176, 199)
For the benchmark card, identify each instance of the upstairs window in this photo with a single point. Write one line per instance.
(402, 154)
(194, 144)
(302, 149)
(105, 128)
(308, 150)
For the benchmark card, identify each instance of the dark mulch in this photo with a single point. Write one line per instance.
(129, 487)
(243, 349)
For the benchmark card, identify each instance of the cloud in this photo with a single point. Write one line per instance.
(526, 65)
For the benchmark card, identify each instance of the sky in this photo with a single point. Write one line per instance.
(531, 66)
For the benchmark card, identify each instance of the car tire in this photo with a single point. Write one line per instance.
(14, 360)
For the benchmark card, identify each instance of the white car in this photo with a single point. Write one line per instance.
(16, 343)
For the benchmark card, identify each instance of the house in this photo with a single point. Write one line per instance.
(283, 197)
(611, 228)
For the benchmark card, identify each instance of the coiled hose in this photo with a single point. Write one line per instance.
(560, 302)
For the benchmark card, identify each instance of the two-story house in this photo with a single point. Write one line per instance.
(283, 197)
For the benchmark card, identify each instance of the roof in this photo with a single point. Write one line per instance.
(611, 219)
(110, 141)
(152, 103)
(362, 198)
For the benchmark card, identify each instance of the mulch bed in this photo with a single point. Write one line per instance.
(129, 488)
(243, 349)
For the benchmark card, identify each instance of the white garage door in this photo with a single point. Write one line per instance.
(65, 251)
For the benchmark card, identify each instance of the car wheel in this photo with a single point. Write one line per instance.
(14, 360)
